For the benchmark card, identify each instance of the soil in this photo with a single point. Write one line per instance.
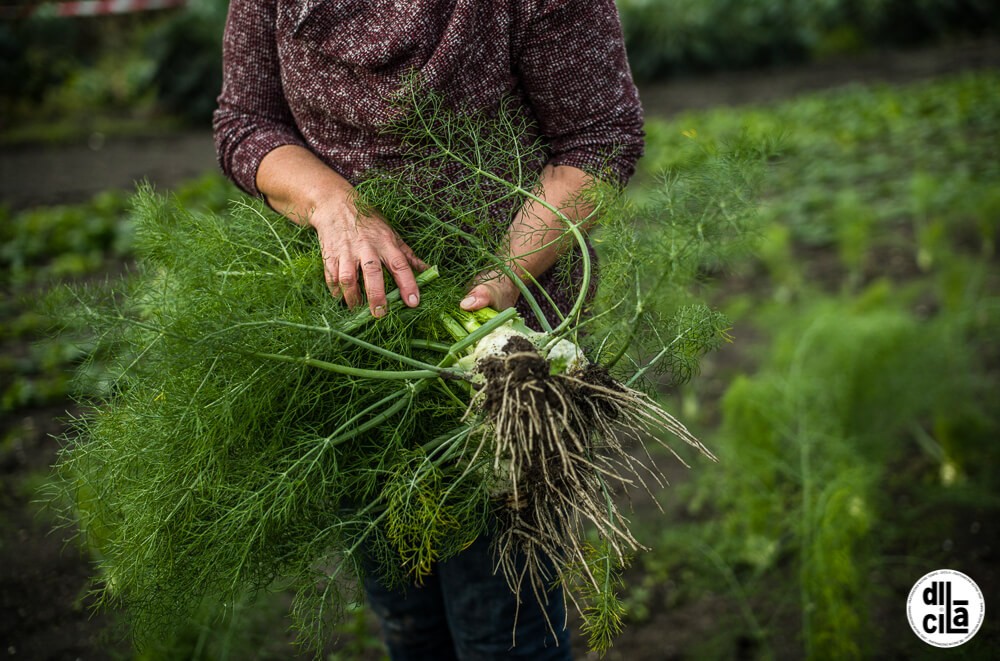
(67, 174)
(44, 608)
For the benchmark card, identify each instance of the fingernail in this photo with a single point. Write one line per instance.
(468, 301)
(413, 299)
(379, 311)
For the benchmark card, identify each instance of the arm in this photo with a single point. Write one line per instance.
(252, 117)
(308, 192)
(260, 149)
(570, 60)
(571, 63)
(537, 236)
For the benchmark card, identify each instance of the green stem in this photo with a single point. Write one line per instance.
(488, 327)
(337, 437)
(430, 345)
(382, 351)
(358, 372)
(436, 442)
(360, 318)
(455, 329)
(451, 395)
(471, 321)
(415, 389)
(498, 320)
(657, 358)
(633, 328)
(306, 360)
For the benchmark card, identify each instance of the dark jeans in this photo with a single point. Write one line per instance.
(463, 611)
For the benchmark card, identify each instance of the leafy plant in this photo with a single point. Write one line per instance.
(186, 52)
(45, 245)
(866, 169)
(817, 428)
(667, 38)
(258, 433)
(856, 428)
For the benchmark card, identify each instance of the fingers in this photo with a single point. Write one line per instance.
(330, 274)
(371, 270)
(497, 292)
(413, 260)
(366, 249)
(479, 297)
(401, 268)
(341, 274)
(347, 280)
(342, 280)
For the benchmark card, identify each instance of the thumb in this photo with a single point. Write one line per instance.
(478, 297)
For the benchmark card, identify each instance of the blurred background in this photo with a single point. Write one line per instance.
(856, 413)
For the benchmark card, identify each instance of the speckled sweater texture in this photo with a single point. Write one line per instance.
(324, 74)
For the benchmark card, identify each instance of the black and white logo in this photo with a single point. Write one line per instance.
(945, 608)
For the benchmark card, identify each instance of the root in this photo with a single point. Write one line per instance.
(559, 442)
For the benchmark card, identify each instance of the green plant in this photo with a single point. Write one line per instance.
(43, 246)
(33, 58)
(667, 38)
(855, 226)
(186, 52)
(808, 439)
(258, 433)
(857, 415)
(894, 177)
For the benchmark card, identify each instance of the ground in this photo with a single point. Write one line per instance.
(44, 610)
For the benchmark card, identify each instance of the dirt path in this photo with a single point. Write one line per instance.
(33, 175)
(65, 174)
(743, 88)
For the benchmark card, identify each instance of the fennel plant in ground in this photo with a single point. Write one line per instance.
(260, 435)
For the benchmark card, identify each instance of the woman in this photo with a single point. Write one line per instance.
(308, 87)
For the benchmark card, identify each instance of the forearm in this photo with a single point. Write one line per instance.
(538, 236)
(295, 182)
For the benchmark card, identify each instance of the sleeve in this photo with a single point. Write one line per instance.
(252, 117)
(570, 58)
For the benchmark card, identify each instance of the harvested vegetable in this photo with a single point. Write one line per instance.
(259, 435)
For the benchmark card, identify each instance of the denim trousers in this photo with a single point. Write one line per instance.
(464, 611)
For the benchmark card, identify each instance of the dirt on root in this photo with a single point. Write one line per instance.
(45, 578)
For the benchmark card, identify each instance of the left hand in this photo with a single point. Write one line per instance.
(493, 290)
(536, 237)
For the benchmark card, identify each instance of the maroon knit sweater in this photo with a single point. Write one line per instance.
(322, 74)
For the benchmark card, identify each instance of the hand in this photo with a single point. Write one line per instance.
(493, 290)
(349, 241)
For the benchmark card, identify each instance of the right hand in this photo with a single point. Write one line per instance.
(352, 242)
